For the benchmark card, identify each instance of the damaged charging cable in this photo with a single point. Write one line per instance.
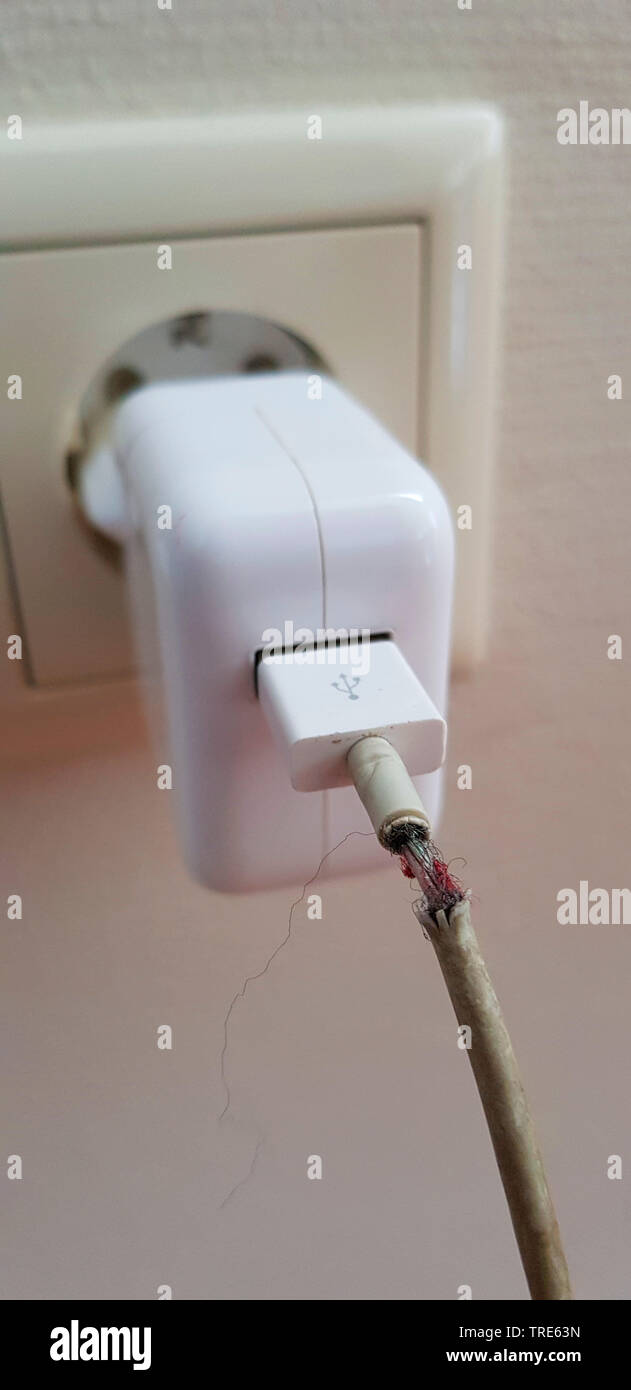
(403, 828)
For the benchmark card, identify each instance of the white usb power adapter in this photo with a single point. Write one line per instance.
(273, 517)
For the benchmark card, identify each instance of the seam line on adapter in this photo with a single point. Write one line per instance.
(258, 410)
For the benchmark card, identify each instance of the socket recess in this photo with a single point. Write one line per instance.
(347, 244)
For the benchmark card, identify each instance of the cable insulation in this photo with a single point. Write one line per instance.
(504, 1101)
(402, 825)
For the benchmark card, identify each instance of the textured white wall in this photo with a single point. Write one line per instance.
(347, 1047)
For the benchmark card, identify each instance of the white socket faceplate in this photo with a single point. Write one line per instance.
(350, 240)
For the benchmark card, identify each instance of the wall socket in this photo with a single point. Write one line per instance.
(344, 233)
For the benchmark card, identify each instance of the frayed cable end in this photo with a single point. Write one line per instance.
(421, 860)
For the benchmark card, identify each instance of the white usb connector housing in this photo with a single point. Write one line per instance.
(321, 700)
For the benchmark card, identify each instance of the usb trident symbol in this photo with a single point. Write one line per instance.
(347, 686)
